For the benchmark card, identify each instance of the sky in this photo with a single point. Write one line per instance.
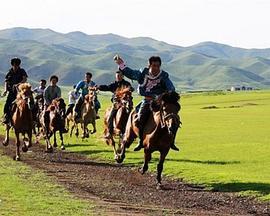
(241, 23)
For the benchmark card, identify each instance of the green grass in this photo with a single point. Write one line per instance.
(24, 191)
(226, 148)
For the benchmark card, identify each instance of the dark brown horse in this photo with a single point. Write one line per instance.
(22, 120)
(159, 132)
(53, 120)
(123, 104)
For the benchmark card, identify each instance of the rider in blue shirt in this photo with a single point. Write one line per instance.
(152, 82)
(83, 86)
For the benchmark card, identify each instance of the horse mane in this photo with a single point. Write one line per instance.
(170, 97)
(120, 92)
(22, 90)
(24, 86)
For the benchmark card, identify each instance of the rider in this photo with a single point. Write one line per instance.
(14, 77)
(119, 82)
(72, 98)
(40, 89)
(39, 104)
(52, 91)
(83, 85)
(153, 81)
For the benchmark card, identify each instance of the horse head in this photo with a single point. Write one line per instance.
(124, 96)
(89, 100)
(58, 106)
(168, 107)
(25, 95)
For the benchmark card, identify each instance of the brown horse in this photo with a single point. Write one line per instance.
(123, 104)
(159, 132)
(88, 116)
(22, 119)
(53, 120)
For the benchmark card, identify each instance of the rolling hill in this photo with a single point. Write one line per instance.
(206, 65)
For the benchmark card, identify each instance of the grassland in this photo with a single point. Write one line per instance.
(224, 145)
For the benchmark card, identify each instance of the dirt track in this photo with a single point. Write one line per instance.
(121, 190)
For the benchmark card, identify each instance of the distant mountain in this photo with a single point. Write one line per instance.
(206, 65)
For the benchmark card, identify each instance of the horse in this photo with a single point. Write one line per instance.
(21, 119)
(88, 116)
(37, 112)
(159, 132)
(123, 104)
(53, 120)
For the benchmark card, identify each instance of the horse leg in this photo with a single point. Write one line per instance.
(116, 157)
(54, 139)
(77, 131)
(30, 139)
(6, 141)
(160, 168)
(49, 148)
(94, 127)
(147, 158)
(71, 130)
(62, 141)
(83, 125)
(17, 157)
(25, 141)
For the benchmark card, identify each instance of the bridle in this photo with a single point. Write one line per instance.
(167, 117)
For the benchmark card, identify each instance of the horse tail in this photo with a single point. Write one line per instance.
(130, 134)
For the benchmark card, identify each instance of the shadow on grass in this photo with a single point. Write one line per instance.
(261, 188)
(214, 162)
(209, 162)
(71, 145)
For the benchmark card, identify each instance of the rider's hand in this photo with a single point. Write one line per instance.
(4, 93)
(118, 60)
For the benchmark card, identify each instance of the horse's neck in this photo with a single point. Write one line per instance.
(87, 108)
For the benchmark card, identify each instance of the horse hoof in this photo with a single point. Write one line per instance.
(159, 186)
(5, 143)
(140, 170)
(63, 147)
(49, 150)
(16, 158)
(94, 131)
(24, 148)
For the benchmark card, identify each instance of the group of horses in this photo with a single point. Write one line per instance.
(159, 131)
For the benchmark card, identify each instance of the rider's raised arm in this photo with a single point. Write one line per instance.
(131, 74)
